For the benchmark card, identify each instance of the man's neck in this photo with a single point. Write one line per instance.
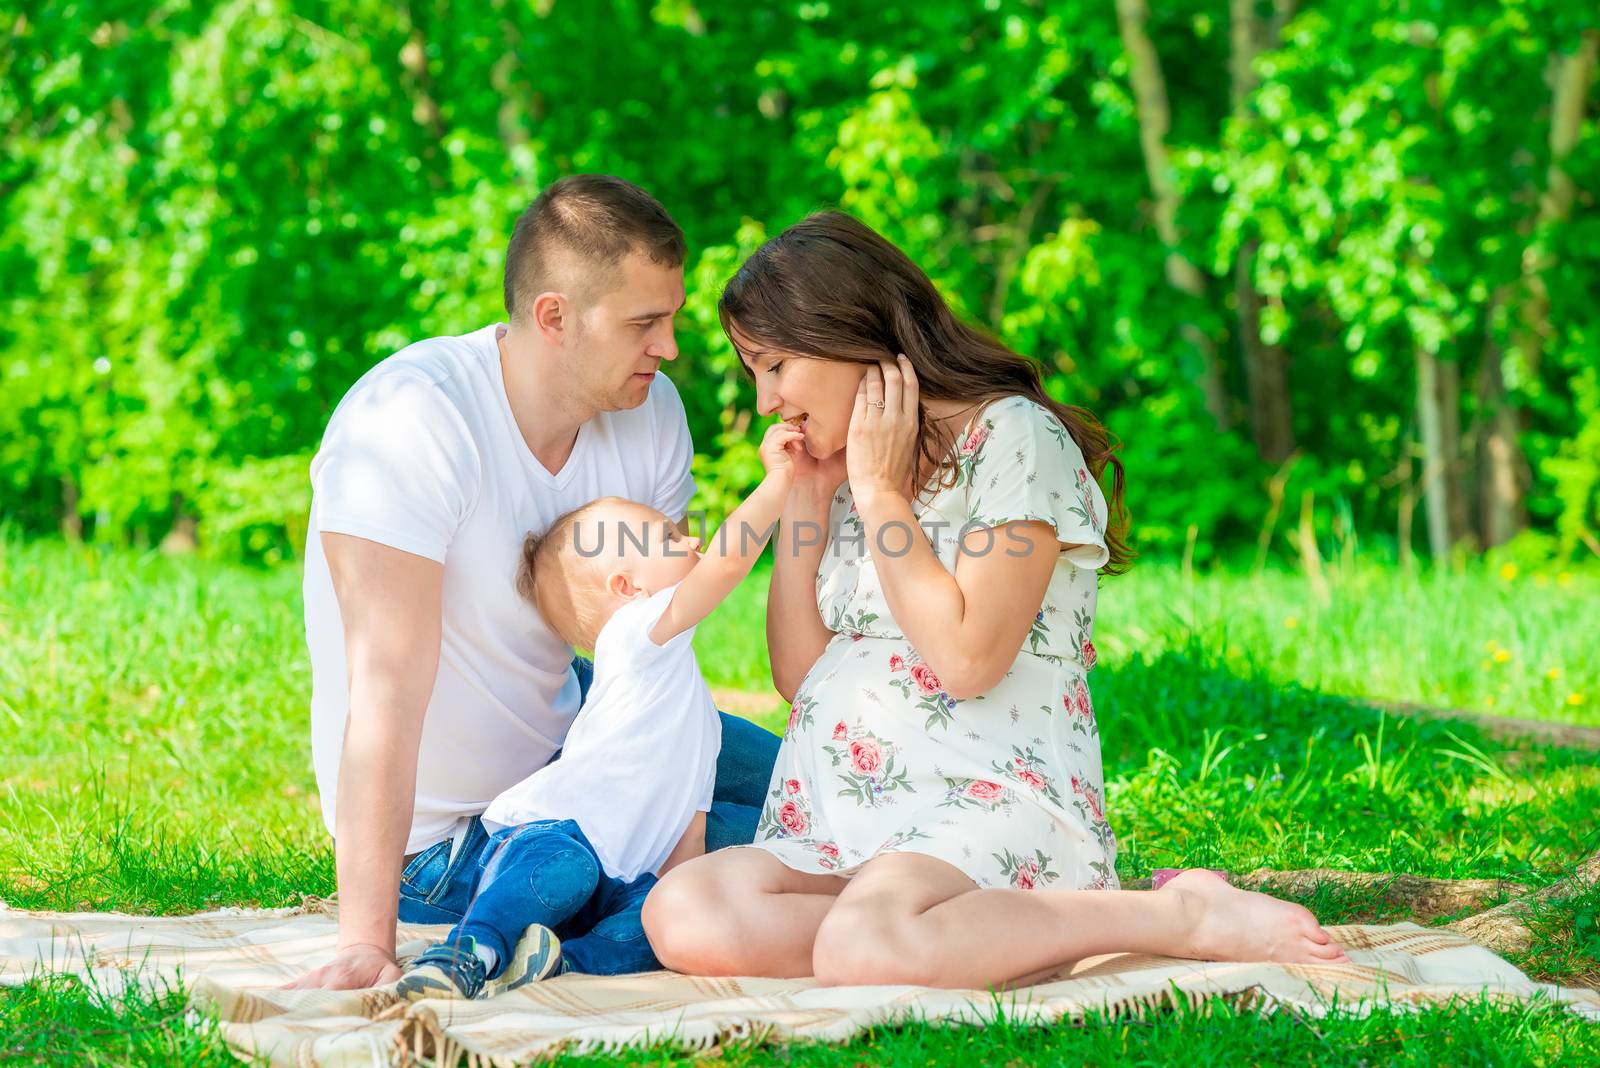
(548, 416)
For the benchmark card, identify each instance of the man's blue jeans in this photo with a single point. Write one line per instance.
(437, 885)
(547, 873)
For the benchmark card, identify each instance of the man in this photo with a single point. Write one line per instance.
(434, 685)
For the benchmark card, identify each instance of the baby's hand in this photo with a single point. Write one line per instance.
(778, 448)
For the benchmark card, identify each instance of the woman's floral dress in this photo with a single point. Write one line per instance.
(878, 758)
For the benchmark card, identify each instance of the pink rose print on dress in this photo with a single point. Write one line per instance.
(926, 680)
(975, 440)
(1091, 797)
(792, 786)
(1025, 872)
(1086, 496)
(828, 849)
(983, 790)
(793, 820)
(1080, 708)
(865, 756)
(983, 794)
(1024, 767)
(866, 768)
(840, 731)
(1090, 657)
(925, 690)
(800, 715)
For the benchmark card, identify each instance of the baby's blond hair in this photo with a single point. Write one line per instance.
(557, 580)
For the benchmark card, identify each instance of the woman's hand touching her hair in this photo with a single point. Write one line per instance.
(881, 450)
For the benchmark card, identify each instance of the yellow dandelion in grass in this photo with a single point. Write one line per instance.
(1291, 622)
(1574, 699)
(1553, 673)
(1502, 655)
(1564, 579)
(1508, 572)
(1489, 700)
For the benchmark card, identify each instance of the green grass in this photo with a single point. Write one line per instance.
(157, 760)
(58, 1021)
(1497, 642)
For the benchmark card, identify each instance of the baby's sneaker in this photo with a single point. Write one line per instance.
(444, 970)
(536, 956)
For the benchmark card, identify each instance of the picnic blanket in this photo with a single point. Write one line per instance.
(231, 962)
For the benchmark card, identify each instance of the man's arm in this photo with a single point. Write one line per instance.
(390, 603)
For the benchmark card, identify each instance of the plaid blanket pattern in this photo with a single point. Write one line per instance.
(232, 961)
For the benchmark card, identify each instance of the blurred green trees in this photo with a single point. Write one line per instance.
(1338, 259)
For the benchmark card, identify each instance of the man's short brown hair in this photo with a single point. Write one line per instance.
(591, 222)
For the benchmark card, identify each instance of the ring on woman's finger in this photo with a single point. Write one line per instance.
(876, 404)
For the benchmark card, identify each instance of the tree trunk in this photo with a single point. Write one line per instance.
(1406, 511)
(71, 520)
(418, 81)
(505, 77)
(1504, 928)
(1265, 365)
(1155, 120)
(1435, 486)
(1266, 368)
(1570, 85)
(1450, 448)
(1504, 513)
(1500, 456)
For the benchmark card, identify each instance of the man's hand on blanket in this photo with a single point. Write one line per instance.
(352, 968)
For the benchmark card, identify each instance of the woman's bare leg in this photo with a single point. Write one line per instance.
(738, 912)
(909, 918)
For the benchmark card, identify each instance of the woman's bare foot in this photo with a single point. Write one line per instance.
(1227, 923)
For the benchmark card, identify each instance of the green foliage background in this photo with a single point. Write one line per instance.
(215, 215)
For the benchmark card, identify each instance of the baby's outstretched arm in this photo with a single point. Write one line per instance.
(728, 557)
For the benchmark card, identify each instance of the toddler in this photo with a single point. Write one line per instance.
(579, 843)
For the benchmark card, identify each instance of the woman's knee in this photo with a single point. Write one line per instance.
(680, 917)
(866, 944)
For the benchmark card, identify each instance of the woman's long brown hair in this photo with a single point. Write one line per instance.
(832, 288)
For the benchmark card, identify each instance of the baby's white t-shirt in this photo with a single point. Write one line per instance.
(641, 759)
(424, 455)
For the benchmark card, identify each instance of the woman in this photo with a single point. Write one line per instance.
(936, 813)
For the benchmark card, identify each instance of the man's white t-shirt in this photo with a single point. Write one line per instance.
(423, 454)
(642, 757)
